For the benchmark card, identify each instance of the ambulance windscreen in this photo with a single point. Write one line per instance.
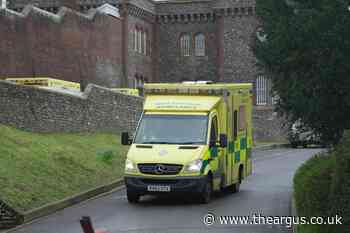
(172, 129)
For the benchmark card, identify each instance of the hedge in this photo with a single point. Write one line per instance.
(340, 190)
(322, 188)
(312, 184)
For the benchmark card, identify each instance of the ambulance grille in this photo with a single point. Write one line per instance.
(159, 169)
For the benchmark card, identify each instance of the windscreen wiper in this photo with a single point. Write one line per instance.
(154, 142)
(190, 143)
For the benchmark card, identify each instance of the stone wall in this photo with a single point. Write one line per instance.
(68, 45)
(268, 125)
(97, 109)
(239, 60)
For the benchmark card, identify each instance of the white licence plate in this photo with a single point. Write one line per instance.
(158, 188)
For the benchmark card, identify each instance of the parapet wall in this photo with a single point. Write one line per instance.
(69, 45)
(39, 110)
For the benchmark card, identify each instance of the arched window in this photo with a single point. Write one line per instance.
(199, 44)
(185, 45)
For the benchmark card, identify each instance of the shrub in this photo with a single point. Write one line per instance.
(312, 184)
(322, 188)
(340, 190)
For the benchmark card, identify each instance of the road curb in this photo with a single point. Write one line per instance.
(67, 202)
(270, 147)
(73, 200)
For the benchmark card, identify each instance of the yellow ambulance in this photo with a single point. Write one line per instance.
(193, 138)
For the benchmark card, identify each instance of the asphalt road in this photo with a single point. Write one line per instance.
(268, 192)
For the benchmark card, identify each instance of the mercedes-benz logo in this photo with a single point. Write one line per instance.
(163, 152)
(159, 169)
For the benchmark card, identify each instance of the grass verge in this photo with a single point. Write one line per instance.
(37, 169)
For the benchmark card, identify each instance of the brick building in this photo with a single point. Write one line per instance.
(147, 41)
(175, 40)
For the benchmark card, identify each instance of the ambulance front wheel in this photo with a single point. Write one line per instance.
(205, 195)
(132, 197)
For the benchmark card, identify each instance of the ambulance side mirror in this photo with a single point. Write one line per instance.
(126, 141)
(223, 140)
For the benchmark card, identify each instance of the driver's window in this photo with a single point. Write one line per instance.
(214, 129)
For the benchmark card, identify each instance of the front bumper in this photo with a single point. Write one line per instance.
(181, 185)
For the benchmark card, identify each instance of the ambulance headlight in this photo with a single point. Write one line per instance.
(194, 166)
(130, 166)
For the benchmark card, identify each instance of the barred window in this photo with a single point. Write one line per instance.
(200, 44)
(263, 89)
(185, 45)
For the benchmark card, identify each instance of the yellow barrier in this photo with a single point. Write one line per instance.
(46, 82)
(127, 91)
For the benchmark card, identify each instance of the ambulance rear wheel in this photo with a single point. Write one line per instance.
(205, 195)
(234, 188)
(132, 197)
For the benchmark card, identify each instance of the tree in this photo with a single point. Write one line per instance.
(306, 48)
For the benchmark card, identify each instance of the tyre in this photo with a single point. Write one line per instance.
(305, 144)
(234, 188)
(294, 144)
(205, 195)
(132, 197)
